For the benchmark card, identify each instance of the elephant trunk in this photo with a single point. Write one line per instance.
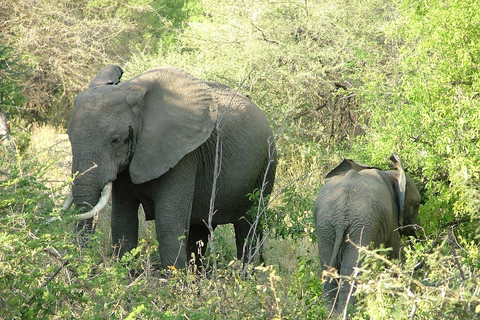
(91, 188)
(101, 203)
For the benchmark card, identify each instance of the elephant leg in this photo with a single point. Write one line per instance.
(330, 286)
(349, 262)
(248, 240)
(124, 220)
(330, 290)
(173, 208)
(326, 244)
(197, 233)
(394, 243)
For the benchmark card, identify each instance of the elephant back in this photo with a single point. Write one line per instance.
(237, 109)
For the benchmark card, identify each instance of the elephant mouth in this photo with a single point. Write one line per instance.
(102, 202)
(123, 166)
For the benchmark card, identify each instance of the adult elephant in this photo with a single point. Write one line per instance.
(164, 139)
(358, 206)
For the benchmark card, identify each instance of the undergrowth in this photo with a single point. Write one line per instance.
(45, 274)
(437, 280)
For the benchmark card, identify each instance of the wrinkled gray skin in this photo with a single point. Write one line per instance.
(367, 205)
(155, 137)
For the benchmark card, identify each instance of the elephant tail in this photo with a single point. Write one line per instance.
(339, 240)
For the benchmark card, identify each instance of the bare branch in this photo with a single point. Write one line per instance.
(264, 37)
(453, 241)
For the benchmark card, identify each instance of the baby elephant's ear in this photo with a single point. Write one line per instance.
(400, 185)
(110, 75)
(345, 166)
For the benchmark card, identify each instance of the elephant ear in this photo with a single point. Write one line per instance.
(110, 75)
(400, 185)
(177, 114)
(345, 166)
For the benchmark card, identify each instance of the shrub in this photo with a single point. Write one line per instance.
(10, 81)
(430, 115)
(436, 281)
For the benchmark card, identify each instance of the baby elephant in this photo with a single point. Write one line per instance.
(362, 205)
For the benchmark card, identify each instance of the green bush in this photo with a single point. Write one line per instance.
(45, 274)
(436, 281)
(11, 96)
(431, 115)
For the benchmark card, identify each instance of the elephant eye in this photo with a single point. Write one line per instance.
(115, 140)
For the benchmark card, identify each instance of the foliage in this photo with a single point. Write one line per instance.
(436, 281)
(45, 274)
(10, 81)
(336, 78)
(431, 114)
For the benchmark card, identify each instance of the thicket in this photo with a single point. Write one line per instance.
(358, 79)
(62, 44)
(427, 109)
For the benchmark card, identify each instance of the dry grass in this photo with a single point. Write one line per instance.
(61, 46)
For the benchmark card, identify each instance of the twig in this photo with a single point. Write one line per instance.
(211, 211)
(459, 221)
(332, 309)
(94, 166)
(54, 252)
(457, 82)
(414, 311)
(452, 240)
(264, 37)
(262, 206)
(55, 274)
(216, 174)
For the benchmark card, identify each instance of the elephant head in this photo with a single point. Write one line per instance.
(144, 125)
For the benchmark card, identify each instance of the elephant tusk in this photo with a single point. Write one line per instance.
(102, 202)
(68, 201)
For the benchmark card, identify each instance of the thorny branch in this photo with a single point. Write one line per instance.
(52, 251)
